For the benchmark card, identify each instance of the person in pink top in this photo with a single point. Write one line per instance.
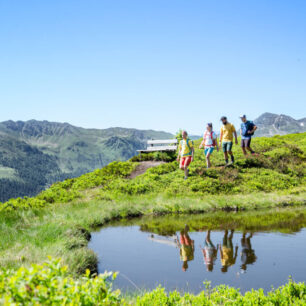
(209, 143)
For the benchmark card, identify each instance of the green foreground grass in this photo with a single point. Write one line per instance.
(50, 284)
(58, 221)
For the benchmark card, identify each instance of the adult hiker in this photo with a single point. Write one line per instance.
(226, 139)
(186, 245)
(209, 252)
(209, 143)
(186, 153)
(247, 131)
(228, 258)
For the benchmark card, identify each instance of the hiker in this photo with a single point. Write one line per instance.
(248, 256)
(228, 258)
(226, 139)
(247, 131)
(209, 252)
(186, 246)
(186, 153)
(209, 143)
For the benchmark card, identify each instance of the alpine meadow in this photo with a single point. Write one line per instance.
(59, 220)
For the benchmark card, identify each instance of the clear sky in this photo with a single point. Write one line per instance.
(151, 64)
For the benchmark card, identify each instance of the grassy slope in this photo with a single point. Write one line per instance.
(58, 220)
(8, 173)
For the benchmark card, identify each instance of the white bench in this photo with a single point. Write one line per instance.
(160, 145)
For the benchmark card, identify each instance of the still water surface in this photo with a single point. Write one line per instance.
(187, 258)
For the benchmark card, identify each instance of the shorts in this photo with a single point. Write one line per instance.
(185, 161)
(245, 143)
(208, 150)
(185, 239)
(227, 146)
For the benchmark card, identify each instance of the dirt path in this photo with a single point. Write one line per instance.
(143, 166)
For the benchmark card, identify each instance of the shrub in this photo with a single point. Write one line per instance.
(50, 284)
(167, 156)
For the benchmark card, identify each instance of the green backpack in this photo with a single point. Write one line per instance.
(187, 142)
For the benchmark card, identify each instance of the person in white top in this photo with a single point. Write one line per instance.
(209, 143)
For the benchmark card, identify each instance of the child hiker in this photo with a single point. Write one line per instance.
(186, 153)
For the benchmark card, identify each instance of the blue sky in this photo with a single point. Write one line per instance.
(151, 64)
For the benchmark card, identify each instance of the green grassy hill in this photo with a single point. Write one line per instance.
(35, 154)
(279, 167)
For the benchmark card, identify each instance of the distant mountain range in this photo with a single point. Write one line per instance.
(272, 124)
(34, 154)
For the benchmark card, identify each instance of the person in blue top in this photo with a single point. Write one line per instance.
(247, 131)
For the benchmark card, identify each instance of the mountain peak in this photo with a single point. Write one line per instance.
(270, 124)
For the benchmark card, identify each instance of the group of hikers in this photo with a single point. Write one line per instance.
(228, 254)
(210, 142)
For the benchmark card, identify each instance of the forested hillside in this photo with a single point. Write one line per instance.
(24, 169)
(35, 154)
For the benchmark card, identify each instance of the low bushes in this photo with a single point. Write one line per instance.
(290, 294)
(156, 156)
(50, 284)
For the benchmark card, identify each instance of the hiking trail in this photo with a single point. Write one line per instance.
(143, 167)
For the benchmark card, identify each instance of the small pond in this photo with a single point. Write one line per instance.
(257, 250)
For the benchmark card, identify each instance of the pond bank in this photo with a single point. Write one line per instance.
(61, 230)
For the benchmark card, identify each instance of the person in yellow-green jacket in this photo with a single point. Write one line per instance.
(186, 153)
(226, 139)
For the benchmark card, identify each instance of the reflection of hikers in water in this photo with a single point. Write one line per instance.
(248, 256)
(227, 251)
(186, 248)
(210, 252)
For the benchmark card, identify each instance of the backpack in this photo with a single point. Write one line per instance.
(187, 143)
(247, 126)
(214, 143)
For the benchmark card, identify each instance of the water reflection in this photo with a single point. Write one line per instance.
(225, 250)
(209, 252)
(228, 255)
(186, 246)
(248, 256)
